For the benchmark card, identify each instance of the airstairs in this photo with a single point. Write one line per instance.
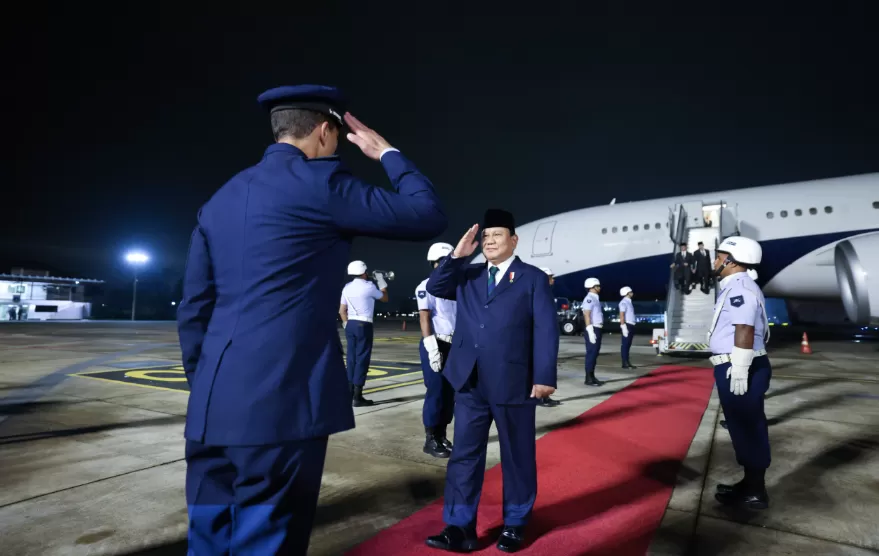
(688, 317)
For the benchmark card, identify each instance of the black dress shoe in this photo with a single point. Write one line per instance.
(511, 539)
(548, 402)
(753, 500)
(629, 366)
(455, 539)
(728, 489)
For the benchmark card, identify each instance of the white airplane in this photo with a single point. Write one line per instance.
(820, 240)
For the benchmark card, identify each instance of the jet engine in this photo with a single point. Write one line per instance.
(857, 272)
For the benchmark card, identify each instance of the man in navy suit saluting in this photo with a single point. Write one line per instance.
(503, 359)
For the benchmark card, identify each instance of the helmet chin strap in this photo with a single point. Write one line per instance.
(723, 265)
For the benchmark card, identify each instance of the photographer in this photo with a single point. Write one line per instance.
(357, 308)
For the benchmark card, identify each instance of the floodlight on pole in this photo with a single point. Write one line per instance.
(135, 259)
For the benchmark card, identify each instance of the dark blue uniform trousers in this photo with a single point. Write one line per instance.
(745, 418)
(252, 499)
(627, 343)
(592, 350)
(439, 402)
(466, 468)
(359, 336)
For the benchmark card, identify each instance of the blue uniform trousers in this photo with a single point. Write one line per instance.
(466, 468)
(627, 343)
(745, 418)
(439, 402)
(359, 336)
(252, 499)
(592, 350)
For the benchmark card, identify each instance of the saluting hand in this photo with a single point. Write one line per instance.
(468, 243)
(371, 143)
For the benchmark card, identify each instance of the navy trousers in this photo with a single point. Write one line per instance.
(252, 499)
(745, 418)
(359, 335)
(466, 468)
(627, 343)
(592, 350)
(439, 402)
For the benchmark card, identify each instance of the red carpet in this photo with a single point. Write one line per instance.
(604, 479)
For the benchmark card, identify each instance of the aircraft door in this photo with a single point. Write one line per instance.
(542, 246)
(729, 222)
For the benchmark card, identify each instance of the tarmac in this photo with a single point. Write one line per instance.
(91, 446)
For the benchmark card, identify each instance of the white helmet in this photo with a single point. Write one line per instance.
(548, 271)
(439, 250)
(591, 283)
(742, 250)
(356, 268)
(625, 291)
(752, 274)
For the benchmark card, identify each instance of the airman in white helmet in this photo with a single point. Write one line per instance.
(627, 324)
(594, 320)
(742, 371)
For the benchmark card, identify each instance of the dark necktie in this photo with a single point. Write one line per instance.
(492, 272)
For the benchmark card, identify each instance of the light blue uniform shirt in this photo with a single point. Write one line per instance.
(360, 296)
(627, 308)
(442, 311)
(592, 305)
(740, 302)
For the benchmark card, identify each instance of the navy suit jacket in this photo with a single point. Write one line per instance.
(511, 338)
(257, 323)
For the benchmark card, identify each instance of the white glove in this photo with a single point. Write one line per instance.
(344, 323)
(380, 281)
(738, 371)
(591, 331)
(625, 330)
(433, 353)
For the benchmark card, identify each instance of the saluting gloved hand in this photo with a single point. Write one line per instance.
(380, 281)
(625, 330)
(591, 331)
(433, 353)
(738, 372)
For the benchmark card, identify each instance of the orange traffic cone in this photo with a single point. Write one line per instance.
(804, 345)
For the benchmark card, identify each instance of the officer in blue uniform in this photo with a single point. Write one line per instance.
(594, 319)
(503, 359)
(437, 320)
(357, 308)
(627, 325)
(257, 322)
(738, 336)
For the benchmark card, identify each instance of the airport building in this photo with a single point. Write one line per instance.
(29, 295)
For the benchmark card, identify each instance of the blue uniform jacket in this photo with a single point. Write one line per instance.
(257, 323)
(512, 338)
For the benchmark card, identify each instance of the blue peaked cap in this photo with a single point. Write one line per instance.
(319, 98)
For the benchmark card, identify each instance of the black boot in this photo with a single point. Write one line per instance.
(358, 400)
(591, 380)
(433, 443)
(749, 493)
(442, 437)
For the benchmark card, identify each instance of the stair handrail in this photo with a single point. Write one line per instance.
(672, 297)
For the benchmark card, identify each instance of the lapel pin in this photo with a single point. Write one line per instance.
(512, 274)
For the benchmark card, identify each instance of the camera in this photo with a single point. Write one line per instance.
(388, 274)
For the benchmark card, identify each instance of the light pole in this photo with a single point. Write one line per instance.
(135, 259)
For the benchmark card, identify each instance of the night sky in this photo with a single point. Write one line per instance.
(119, 127)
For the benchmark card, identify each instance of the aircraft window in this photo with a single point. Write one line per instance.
(646, 226)
(625, 228)
(876, 204)
(770, 215)
(813, 210)
(828, 210)
(604, 230)
(635, 228)
(614, 229)
(658, 226)
(784, 214)
(798, 212)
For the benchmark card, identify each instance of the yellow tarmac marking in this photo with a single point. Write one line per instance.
(87, 375)
(392, 386)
